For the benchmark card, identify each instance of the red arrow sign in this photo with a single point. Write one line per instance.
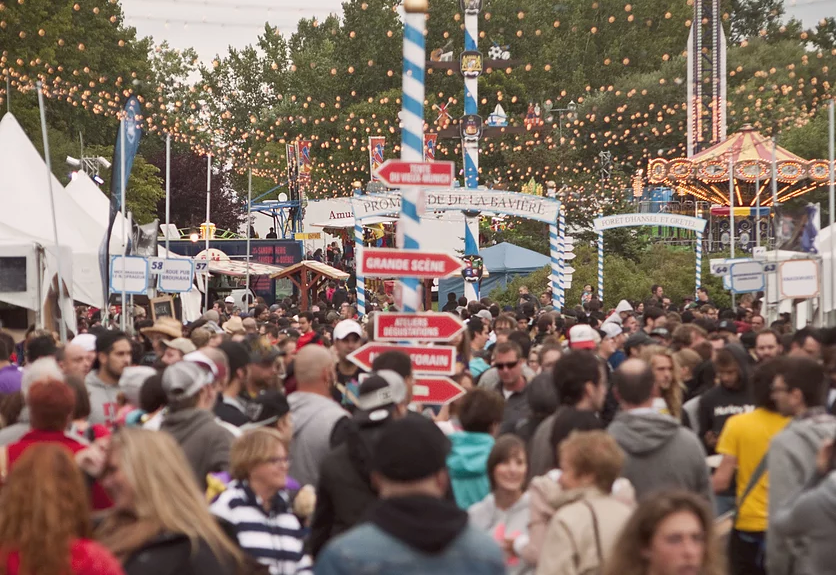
(397, 173)
(416, 326)
(436, 390)
(439, 360)
(389, 263)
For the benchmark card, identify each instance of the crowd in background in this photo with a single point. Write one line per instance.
(646, 438)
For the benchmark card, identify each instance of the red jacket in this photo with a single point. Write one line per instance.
(86, 558)
(99, 497)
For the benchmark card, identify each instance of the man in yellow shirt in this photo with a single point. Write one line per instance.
(743, 443)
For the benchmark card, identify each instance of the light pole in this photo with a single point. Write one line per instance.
(569, 110)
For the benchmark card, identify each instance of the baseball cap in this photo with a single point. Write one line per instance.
(378, 396)
(661, 332)
(229, 299)
(181, 344)
(185, 379)
(583, 336)
(267, 408)
(639, 338)
(727, 325)
(611, 329)
(131, 380)
(484, 314)
(206, 362)
(346, 327)
(412, 448)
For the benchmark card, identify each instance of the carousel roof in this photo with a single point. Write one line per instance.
(747, 144)
(751, 153)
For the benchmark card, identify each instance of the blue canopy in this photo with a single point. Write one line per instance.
(504, 262)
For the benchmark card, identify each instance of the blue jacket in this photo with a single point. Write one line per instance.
(369, 549)
(467, 465)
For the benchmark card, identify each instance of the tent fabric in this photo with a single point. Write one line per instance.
(504, 261)
(28, 207)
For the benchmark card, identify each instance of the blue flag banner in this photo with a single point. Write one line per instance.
(132, 135)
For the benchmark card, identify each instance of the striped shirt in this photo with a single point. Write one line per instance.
(274, 539)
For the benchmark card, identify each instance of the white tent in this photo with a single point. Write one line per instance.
(27, 207)
(90, 199)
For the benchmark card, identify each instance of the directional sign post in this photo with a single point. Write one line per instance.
(440, 390)
(431, 326)
(397, 173)
(746, 276)
(389, 263)
(435, 360)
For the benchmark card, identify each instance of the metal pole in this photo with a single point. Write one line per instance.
(206, 232)
(9, 93)
(758, 210)
(412, 138)
(167, 191)
(62, 326)
(122, 322)
(360, 288)
(731, 214)
(249, 215)
(832, 201)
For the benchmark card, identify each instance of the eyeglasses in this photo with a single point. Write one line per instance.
(510, 365)
(279, 460)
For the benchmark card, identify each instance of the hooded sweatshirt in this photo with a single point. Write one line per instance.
(661, 454)
(467, 464)
(412, 535)
(791, 464)
(205, 443)
(313, 417)
(719, 403)
(503, 524)
(103, 406)
(809, 520)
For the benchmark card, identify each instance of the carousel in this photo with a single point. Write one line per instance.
(703, 184)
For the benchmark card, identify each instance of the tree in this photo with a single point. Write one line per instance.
(188, 194)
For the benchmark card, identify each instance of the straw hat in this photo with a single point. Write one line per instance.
(167, 326)
(235, 326)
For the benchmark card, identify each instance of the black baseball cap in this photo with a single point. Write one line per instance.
(268, 408)
(378, 397)
(413, 448)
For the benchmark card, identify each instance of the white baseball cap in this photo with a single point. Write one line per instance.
(229, 299)
(583, 336)
(612, 329)
(345, 328)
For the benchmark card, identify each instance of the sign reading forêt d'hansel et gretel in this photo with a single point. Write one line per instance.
(630, 220)
(509, 203)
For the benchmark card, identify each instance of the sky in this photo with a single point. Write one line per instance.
(211, 26)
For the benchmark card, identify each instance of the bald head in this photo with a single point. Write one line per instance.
(221, 361)
(314, 369)
(633, 381)
(250, 325)
(75, 361)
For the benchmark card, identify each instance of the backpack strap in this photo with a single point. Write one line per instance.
(595, 529)
(753, 480)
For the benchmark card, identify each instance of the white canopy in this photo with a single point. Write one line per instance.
(349, 222)
(95, 204)
(27, 207)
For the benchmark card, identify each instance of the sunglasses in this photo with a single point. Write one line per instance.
(510, 365)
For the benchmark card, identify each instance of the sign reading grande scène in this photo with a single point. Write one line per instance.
(509, 203)
(630, 220)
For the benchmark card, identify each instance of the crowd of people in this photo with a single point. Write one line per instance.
(645, 439)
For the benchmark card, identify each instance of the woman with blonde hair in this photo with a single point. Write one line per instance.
(666, 373)
(588, 518)
(161, 523)
(670, 533)
(255, 508)
(45, 524)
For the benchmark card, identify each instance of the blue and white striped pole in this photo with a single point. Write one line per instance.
(358, 249)
(699, 262)
(601, 264)
(554, 249)
(471, 100)
(561, 251)
(412, 138)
